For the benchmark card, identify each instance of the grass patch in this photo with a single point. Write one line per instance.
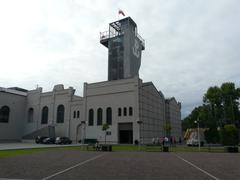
(126, 148)
(15, 152)
(144, 148)
(195, 149)
(171, 149)
(115, 147)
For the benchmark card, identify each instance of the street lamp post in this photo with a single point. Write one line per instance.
(199, 144)
(139, 143)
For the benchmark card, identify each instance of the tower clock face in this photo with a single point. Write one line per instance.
(136, 48)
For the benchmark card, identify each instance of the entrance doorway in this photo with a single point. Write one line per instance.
(51, 131)
(79, 133)
(125, 133)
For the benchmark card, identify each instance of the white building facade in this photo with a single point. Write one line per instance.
(173, 117)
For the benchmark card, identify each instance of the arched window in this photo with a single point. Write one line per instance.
(119, 111)
(30, 115)
(60, 114)
(109, 116)
(99, 116)
(4, 114)
(90, 117)
(74, 114)
(78, 114)
(44, 119)
(125, 111)
(130, 111)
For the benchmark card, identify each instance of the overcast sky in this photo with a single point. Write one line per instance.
(190, 45)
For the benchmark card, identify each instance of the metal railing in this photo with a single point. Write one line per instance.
(108, 34)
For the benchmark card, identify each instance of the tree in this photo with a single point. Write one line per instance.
(224, 103)
(220, 107)
(105, 127)
(199, 113)
(229, 135)
(213, 99)
(230, 96)
(212, 135)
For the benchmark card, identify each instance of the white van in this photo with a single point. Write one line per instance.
(193, 139)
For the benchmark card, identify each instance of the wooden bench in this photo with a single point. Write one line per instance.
(106, 147)
(91, 143)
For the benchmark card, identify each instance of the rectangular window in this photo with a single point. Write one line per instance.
(119, 112)
(90, 117)
(125, 111)
(74, 114)
(99, 116)
(109, 116)
(130, 111)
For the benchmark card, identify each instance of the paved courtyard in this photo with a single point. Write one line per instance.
(74, 164)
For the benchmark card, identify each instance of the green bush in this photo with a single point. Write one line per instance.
(229, 135)
(212, 136)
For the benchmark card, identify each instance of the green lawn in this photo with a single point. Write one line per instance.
(195, 149)
(9, 153)
(171, 149)
(15, 152)
(116, 147)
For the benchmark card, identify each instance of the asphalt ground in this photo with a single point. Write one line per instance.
(74, 164)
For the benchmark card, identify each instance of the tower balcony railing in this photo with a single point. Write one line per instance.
(108, 34)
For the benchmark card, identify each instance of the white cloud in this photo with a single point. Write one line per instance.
(190, 45)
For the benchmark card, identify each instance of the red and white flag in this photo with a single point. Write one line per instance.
(121, 12)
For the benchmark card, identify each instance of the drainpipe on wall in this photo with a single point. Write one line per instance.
(39, 104)
(69, 111)
(138, 107)
(85, 106)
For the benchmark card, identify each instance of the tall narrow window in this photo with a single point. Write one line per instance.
(109, 116)
(90, 117)
(4, 114)
(125, 111)
(74, 114)
(30, 115)
(130, 111)
(60, 114)
(99, 116)
(44, 119)
(119, 111)
(78, 114)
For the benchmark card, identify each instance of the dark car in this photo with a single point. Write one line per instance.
(49, 140)
(39, 139)
(63, 140)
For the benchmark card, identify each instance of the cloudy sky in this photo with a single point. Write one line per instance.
(190, 45)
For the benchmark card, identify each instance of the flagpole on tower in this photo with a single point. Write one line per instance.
(120, 12)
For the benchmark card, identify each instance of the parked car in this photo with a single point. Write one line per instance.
(39, 139)
(49, 140)
(63, 140)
